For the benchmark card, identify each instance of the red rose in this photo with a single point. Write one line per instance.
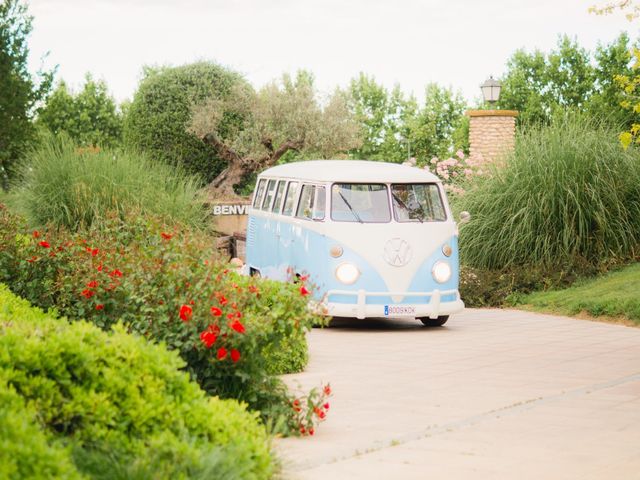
(115, 273)
(327, 389)
(216, 312)
(237, 326)
(208, 338)
(326, 406)
(253, 289)
(304, 291)
(100, 307)
(166, 236)
(185, 312)
(223, 300)
(92, 284)
(311, 431)
(94, 252)
(222, 353)
(235, 355)
(44, 244)
(99, 268)
(88, 293)
(36, 234)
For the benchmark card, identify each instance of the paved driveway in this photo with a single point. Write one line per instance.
(495, 394)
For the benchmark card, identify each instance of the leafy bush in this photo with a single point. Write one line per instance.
(71, 187)
(234, 332)
(115, 396)
(568, 195)
(157, 119)
(495, 288)
(26, 451)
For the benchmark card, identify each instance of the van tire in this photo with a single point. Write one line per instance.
(434, 322)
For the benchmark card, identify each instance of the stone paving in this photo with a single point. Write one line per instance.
(494, 394)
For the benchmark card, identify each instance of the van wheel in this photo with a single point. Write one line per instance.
(434, 322)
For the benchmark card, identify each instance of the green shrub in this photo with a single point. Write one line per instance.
(157, 119)
(234, 332)
(71, 187)
(495, 288)
(26, 451)
(121, 401)
(568, 195)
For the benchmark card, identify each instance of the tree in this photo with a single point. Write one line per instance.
(432, 129)
(384, 119)
(157, 118)
(21, 91)
(280, 118)
(612, 61)
(540, 84)
(90, 117)
(628, 82)
(537, 84)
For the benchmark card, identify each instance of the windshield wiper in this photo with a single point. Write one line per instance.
(402, 204)
(350, 207)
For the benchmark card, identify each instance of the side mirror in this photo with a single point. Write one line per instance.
(464, 217)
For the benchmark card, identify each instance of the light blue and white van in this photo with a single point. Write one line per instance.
(377, 239)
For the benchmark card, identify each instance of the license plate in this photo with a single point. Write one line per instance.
(399, 311)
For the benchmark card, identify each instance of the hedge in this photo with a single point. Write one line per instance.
(120, 401)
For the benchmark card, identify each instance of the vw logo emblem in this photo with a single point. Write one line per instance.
(397, 252)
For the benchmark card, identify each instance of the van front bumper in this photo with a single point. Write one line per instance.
(360, 308)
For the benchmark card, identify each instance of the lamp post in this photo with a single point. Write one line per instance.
(491, 90)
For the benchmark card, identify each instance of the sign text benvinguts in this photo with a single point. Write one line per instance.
(231, 209)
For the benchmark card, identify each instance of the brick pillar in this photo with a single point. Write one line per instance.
(491, 133)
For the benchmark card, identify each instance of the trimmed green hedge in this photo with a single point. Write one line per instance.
(27, 451)
(120, 403)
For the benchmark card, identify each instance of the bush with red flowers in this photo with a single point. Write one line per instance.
(234, 332)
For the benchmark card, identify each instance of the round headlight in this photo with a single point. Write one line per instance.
(441, 271)
(347, 273)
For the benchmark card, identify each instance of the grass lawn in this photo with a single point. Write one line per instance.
(616, 294)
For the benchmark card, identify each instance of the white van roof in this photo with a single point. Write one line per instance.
(351, 171)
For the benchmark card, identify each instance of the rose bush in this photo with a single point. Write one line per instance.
(234, 332)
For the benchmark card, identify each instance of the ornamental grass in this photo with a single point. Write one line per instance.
(72, 188)
(568, 196)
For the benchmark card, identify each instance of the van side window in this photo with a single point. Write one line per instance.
(259, 191)
(312, 202)
(271, 187)
(277, 204)
(290, 199)
(306, 202)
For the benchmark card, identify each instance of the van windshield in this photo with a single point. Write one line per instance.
(360, 202)
(417, 202)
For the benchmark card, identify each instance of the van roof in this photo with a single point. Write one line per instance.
(351, 171)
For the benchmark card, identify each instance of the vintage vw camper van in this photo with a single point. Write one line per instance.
(376, 239)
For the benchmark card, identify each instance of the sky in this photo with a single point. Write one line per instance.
(455, 43)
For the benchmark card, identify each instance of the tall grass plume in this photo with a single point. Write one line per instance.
(568, 195)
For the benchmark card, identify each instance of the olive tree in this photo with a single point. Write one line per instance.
(282, 121)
